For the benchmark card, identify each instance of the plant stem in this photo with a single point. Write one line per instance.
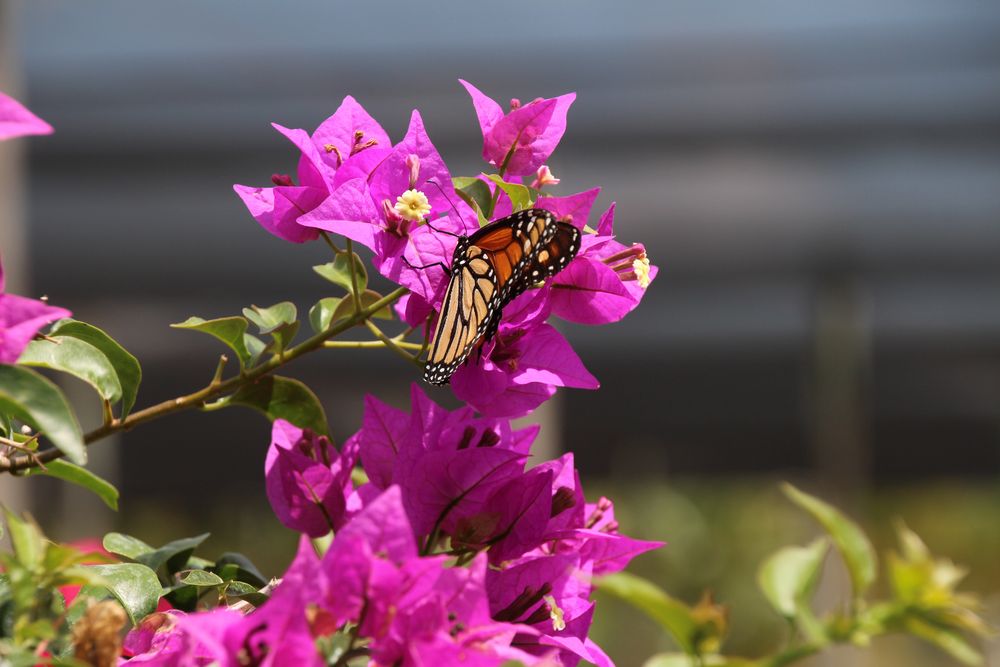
(370, 344)
(389, 343)
(355, 292)
(329, 242)
(213, 390)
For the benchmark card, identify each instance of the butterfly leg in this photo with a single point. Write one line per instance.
(444, 268)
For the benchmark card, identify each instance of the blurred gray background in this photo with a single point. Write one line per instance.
(819, 184)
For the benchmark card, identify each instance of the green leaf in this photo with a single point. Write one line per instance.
(126, 366)
(201, 578)
(850, 540)
(239, 588)
(681, 660)
(282, 398)
(278, 320)
(126, 545)
(246, 570)
(135, 586)
(520, 195)
(338, 271)
(346, 306)
(673, 615)
(272, 318)
(74, 474)
(30, 398)
(232, 332)
(244, 591)
(26, 539)
(788, 578)
(174, 555)
(321, 314)
(475, 192)
(949, 641)
(79, 359)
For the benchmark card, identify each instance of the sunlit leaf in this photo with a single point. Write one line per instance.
(232, 332)
(126, 545)
(475, 192)
(368, 298)
(338, 271)
(520, 195)
(201, 578)
(673, 615)
(949, 641)
(321, 314)
(26, 538)
(789, 577)
(848, 538)
(273, 317)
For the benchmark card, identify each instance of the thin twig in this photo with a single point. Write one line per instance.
(355, 291)
(389, 343)
(369, 344)
(198, 398)
(329, 242)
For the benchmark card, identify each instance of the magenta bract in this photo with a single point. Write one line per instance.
(17, 121)
(519, 142)
(307, 480)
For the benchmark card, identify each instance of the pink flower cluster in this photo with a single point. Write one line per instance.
(452, 553)
(397, 199)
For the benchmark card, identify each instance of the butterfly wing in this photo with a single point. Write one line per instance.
(511, 244)
(489, 268)
(471, 302)
(548, 259)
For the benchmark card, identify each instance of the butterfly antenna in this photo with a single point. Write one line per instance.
(450, 203)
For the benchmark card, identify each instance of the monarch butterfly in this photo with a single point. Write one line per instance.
(488, 270)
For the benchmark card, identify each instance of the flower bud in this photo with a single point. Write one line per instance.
(544, 177)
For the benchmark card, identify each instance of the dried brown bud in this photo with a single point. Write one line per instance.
(97, 635)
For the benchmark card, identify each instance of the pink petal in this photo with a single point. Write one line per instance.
(339, 130)
(392, 178)
(17, 121)
(548, 358)
(589, 291)
(533, 129)
(385, 526)
(383, 429)
(488, 111)
(575, 207)
(278, 209)
(312, 171)
(444, 485)
(349, 211)
(607, 223)
(20, 319)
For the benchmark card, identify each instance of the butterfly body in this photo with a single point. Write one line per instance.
(489, 269)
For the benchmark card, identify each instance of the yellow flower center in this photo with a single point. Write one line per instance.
(412, 205)
(641, 268)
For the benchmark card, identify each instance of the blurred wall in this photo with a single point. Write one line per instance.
(820, 185)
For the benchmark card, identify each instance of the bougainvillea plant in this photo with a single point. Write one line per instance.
(424, 538)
